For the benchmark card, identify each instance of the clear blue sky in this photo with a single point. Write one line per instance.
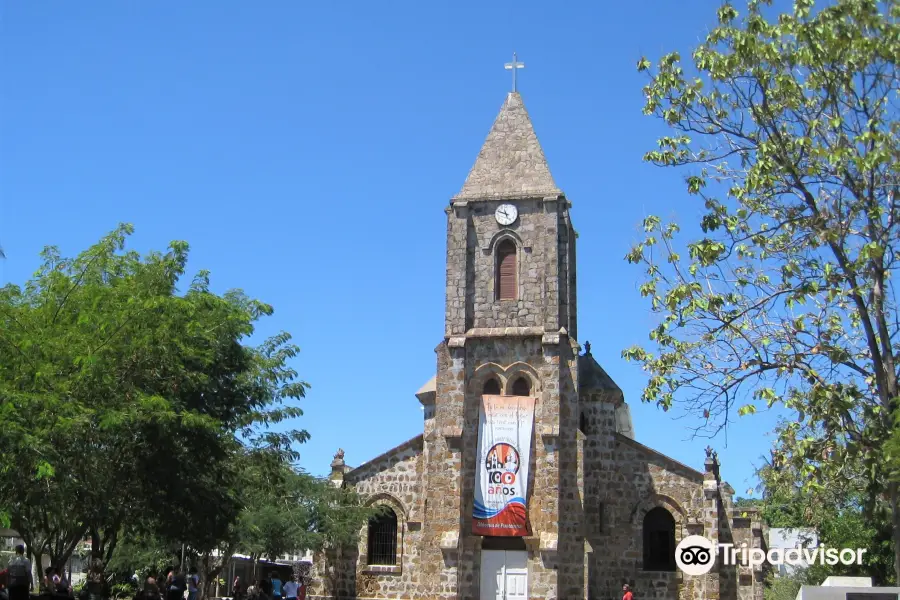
(306, 151)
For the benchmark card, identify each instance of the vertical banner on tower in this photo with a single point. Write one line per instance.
(504, 453)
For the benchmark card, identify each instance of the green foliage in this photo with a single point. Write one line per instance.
(288, 511)
(123, 590)
(283, 511)
(785, 587)
(787, 128)
(747, 502)
(839, 520)
(893, 449)
(125, 401)
(140, 552)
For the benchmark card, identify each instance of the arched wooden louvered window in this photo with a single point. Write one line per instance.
(521, 387)
(506, 271)
(659, 540)
(492, 388)
(383, 539)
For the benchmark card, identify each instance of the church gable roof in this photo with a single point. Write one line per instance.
(511, 163)
(653, 456)
(388, 459)
(591, 376)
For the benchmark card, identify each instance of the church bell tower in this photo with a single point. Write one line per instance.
(510, 242)
(510, 330)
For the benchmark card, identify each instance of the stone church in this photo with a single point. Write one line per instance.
(601, 509)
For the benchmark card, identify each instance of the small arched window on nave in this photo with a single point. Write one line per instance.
(382, 548)
(659, 540)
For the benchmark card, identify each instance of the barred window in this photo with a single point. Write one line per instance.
(383, 539)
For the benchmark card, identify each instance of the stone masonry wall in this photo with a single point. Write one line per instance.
(528, 356)
(542, 237)
(393, 479)
(624, 480)
(590, 486)
(747, 530)
(570, 318)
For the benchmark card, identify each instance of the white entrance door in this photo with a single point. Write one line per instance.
(504, 575)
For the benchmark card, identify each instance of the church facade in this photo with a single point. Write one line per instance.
(599, 508)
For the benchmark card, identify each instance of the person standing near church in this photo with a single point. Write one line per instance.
(290, 589)
(301, 591)
(21, 581)
(193, 584)
(96, 585)
(276, 586)
(627, 595)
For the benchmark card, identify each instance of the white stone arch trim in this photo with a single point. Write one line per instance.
(384, 499)
(521, 369)
(658, 501)
(504, 234)
(484, 372)
(506, 376)
(389, 500)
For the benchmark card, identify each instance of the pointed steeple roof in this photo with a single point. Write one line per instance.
(511, 163)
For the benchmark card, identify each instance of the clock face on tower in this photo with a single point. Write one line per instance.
(506, 214)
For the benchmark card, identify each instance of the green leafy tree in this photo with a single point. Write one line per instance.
(784, 587)
(140, 552)
(893, 449)
(284, 511)
(839, 520)
(125, 400)
(786, 126)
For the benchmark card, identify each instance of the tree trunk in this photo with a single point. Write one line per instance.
(894, 496)
(37, 566)
(210, 568)
(62, 550)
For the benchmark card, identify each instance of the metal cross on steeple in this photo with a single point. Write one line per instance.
(513, 66)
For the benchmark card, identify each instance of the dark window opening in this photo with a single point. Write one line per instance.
(506, 271)
(491, 388)
(521, 387)
(503, 543)
(582, 423)
(383, 539)
(659, 540)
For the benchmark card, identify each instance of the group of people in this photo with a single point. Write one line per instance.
(270, 589)
(17, 583)
(175, 584)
